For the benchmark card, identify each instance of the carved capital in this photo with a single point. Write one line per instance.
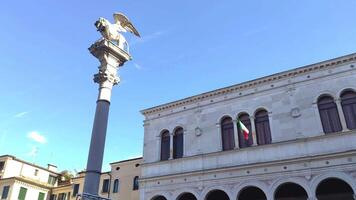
(104, 76)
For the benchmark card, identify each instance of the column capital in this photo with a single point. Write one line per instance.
(104, 76)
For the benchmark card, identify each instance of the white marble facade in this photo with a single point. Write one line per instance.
(300, 151)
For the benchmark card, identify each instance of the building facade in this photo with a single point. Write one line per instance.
(20, 180)
(120, 183)
(301, 142)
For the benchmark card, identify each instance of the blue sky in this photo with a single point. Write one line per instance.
(47, 100)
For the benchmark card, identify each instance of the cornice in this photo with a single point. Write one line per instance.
(253, 83)
(252, 166)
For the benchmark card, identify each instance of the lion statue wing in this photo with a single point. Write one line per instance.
(125, 23)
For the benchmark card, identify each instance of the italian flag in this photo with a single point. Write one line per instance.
(243, 129)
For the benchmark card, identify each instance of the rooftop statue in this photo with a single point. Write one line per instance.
(113, 32)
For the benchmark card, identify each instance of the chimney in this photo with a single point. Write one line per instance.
(52, 168)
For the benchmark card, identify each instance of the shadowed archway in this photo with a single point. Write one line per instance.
(290, 191)
(187, 196)
(217, 195)
(159, 198)
(251, 192)
(334, 189)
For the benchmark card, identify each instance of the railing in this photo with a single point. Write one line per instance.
(86, 196)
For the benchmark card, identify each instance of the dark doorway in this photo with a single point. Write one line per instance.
(159, 198)
(334, 189)
(187, 196)
(290, 191)
(217, 195)
(250, 193)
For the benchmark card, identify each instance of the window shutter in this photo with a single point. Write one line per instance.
(227, 134)
(22, 193)
(263, 130)
(348, 103)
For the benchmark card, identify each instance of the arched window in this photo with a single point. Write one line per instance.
(290, 191)
(217, 194)
(251, 192)
(227, 134)
(135, 183)
(116, 186)
(245, 120)
(334, 188)
(165, 145)
(348, 103)
(263, 131)
(178, 143)
(329, 115)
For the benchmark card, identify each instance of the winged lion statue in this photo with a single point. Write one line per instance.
(113, 32)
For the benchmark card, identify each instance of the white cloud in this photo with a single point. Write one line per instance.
(137, 66)
(37, 137)
(21, 114)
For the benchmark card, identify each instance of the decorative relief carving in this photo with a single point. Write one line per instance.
(295, 112)
(198, 131)
(103, 76)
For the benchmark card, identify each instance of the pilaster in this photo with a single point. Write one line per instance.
(236, 137)
(341, 115)
(218, 127)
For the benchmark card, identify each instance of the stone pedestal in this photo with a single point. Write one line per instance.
(111, 57)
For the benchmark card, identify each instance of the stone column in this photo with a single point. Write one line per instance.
(171, 145)
(236, 135)
(110, 57)
(341, 114)
(253, 130)
(220, 136)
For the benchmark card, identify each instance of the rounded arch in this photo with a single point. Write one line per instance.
(187, 196)
(165, 145)
(177, 128)
(242, 113)
(245, 140)
(329, 115)
(227, 133)
(178, 193)
(224, 116)
(348, 105)
(261, 108)
(296, 180)
(208, 190)
(323, 93)
(163, 131)
(339, 175)
(334, 188)
(345, 89)
(325, 96)
(178, 142)
(290, 190)
(217, 195)
(257, 184)
(159, 196)
(251, 192)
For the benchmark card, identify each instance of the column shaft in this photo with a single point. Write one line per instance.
(97, 145)
(236, 137)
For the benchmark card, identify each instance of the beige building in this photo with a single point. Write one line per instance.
(20, 180)
(301, 142)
